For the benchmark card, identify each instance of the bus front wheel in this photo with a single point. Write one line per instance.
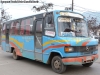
(87, 64)
(15, 56)
(57, 65)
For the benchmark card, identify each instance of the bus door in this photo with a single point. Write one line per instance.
(7, 38)
(38, 40)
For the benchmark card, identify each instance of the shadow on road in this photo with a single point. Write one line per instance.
(29, 61)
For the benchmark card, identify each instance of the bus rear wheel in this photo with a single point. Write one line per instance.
(87, 64)
(57, 65)
(15, 56)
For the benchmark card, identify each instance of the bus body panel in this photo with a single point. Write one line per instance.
(54, 45)
(25, 44)
(3, 43)
(28, 48)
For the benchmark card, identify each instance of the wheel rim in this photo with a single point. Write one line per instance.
(57, 64)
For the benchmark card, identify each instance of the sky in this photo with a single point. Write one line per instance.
(17, 10)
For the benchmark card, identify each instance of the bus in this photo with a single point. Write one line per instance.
(58, 38)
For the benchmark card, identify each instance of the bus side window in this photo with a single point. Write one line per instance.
(4, 29)
(15, 27)
(22, 29)
(28, 27)
(31, 26)
(17, 24)
(12, 28)
(49, 28)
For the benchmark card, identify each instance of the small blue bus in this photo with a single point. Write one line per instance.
(57, 37)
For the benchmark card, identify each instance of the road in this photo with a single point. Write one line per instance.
(9, 66)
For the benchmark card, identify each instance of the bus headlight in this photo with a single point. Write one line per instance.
(69, 49)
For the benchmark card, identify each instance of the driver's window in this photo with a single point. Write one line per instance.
(73, 27)
(49, 28)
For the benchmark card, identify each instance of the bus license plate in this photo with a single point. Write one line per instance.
(88, 58)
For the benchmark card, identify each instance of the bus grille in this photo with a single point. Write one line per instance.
(87, 48)
(84, 48)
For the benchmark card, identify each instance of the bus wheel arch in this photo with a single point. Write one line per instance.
(57, 65)
(55, 60)
(15, 56)
(12, 48)
(52, 54)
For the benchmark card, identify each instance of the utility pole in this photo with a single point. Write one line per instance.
(72, 5)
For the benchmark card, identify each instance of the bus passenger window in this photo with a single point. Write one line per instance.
(27, 30)
(17, 24)
(39, 26)
(28, 27)
(38, 34)
(12, 28)
(22, 29)
(4, 29)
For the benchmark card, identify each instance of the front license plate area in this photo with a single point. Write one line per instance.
(88, 58)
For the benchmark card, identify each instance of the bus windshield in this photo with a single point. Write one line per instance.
(69, 27)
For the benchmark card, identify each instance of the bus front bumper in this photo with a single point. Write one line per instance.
(79, 60)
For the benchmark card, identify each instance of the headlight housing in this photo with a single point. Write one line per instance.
(69, 49)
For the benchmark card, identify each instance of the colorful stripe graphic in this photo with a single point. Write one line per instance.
(17, 42)
(16, 49)
(56, 46)
(79, 41)
(53, 41)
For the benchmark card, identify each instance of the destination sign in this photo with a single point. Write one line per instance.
(62, 19)
(71, 14)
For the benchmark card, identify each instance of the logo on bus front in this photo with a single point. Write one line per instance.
(87, 48)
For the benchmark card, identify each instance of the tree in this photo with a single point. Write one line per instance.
(92, 24)
(45, 7)
(4, 17)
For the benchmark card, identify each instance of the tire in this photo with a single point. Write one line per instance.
(15, 56)
(57, 65)
(87, 64)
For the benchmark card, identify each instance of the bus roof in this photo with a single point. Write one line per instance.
(41, 14)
